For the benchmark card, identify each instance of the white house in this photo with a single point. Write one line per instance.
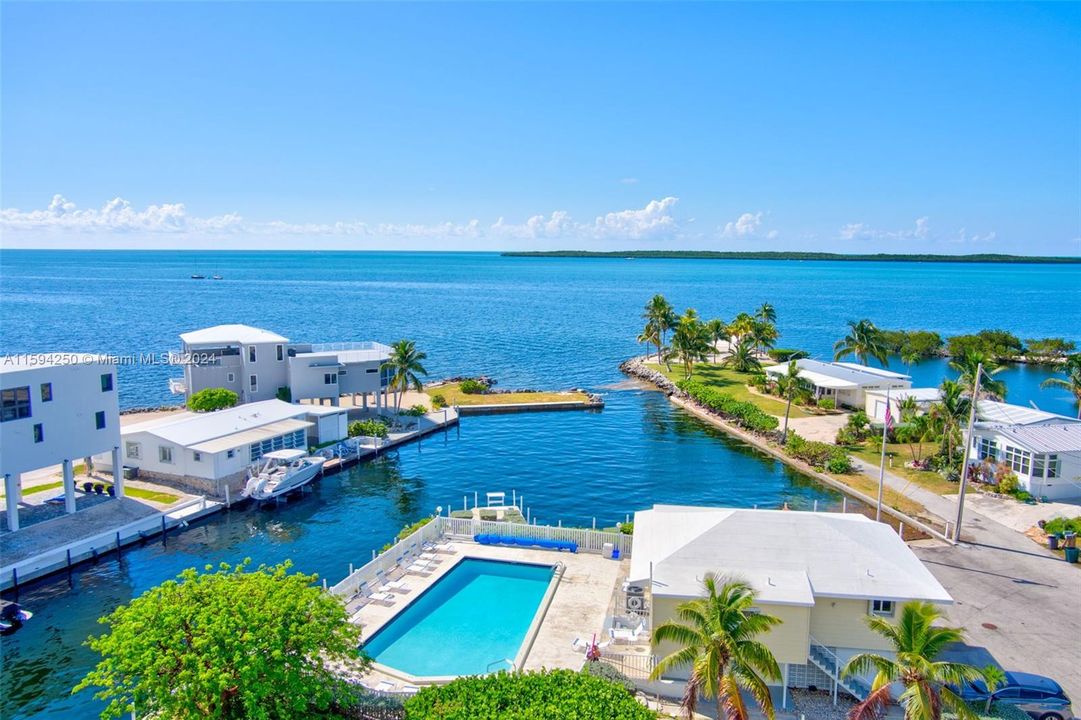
(258, 364)
(822, 574)
(845, 382)
(875, 403)
(211, 451)
(1041, 448)
(56, 408)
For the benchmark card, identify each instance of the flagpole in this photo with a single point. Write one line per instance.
(967, 454)
(882, 461)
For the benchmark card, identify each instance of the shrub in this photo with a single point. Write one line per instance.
(473, 387)
(210, 399)
(627, 528)
(818, 454)
(1059, 525)
(745, 414)
(438, 402)
(368, 428)
(826, 403)
(415, 411)
(553, 695)
(285, 394)
(606, 672)
(1008, 484)
(785, 354)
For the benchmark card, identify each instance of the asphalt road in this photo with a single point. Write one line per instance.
(1020, 605)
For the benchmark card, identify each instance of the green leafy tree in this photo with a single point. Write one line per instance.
(1072, 382)
(718, 641)
(966, 367)
(405, 367)
(232, 643)
(766, 313)
(1049, 348)
(743, 358)
(764, 334)
(211, 399)
(917, 642)
(863, 340)
(552, 695)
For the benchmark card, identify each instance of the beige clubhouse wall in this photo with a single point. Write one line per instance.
(843, 624)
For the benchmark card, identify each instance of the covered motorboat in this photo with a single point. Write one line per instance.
(12, 616)
(283, 471)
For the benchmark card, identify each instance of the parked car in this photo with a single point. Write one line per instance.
(1041, 697)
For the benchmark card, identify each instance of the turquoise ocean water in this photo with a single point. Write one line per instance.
(545, 323)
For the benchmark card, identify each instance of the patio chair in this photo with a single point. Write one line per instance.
(384, 686)
(382, 597)
(443, 547)
(387, 585)
(420, 568)
(626, 634)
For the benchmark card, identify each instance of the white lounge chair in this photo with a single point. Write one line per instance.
(443, 547)
(385, 686)
(387, 585)
(410, 689)
(382, 597)
(583, 645)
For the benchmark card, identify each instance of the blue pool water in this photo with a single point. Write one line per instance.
(467, 623)
(546, 323)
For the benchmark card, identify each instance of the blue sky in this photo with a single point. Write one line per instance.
(840, 127)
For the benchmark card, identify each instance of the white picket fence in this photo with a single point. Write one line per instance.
(591, 541)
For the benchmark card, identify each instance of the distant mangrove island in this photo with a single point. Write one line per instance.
(765, 255)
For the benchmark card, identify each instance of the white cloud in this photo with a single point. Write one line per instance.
(629, 180)
(861, 231)
(745, 225)
(117, 216)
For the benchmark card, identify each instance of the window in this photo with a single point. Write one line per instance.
(133, 450)
(330, 378)
(372, 370)
(197, 456)
(281, 352)
(883, 608)
(107, 382)
(230, 454)
(253, 381)
(232, 377)
(1019, 460)
(1046, 466)
(99, 419)
(15, 403)
(988, 448)
(165, 454)
(251, 353)
(46, 392)
(39, 433)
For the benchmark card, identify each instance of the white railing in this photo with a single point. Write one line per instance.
(592, 541)
(58, 558)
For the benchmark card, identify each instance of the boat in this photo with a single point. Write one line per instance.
(282, 472)
(216, 277)
(197, 276)
(12, 616)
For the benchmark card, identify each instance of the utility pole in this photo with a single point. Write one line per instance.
(882, 461)
(968, 452)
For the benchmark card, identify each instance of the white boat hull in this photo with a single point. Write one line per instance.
(263, 487)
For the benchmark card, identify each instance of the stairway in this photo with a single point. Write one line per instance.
(825, 660)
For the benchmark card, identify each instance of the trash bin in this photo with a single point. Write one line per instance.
(1052, 542)
(1071, 539)
(1071, 554)
(615, 554)
(607, 549)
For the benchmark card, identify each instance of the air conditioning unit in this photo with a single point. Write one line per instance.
(636, 603)
(635, 590)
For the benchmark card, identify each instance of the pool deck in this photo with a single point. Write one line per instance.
(579, 606)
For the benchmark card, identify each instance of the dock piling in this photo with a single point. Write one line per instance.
(816, 506)
(117, 546)
(228, 504)
(70, 582)
(844, 504)
(163, 531)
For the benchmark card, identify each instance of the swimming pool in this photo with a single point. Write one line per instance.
(467, 622)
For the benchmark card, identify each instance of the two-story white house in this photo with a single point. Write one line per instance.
(823, 574)
(259, 364)
(55, 409)
(1043, 449)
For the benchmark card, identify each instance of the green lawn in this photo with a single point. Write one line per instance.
(901, 454)
(731, 382)
(161, 497)
(453, 395)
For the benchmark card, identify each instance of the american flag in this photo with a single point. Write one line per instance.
(889, 417)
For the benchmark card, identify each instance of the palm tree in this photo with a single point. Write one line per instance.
(690, 340)
(718, 331)
(717, 639)
(917, 642)
(661, 314)
(766, 313)
(743, 358)
(950, 412)
(788, 384)
(1072, 381)
(651, 335)
(764, 334)
(967, 364)
(405, 367)
(741, 326)
(864, 340)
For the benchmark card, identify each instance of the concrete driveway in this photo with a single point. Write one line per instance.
(1020, 605)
